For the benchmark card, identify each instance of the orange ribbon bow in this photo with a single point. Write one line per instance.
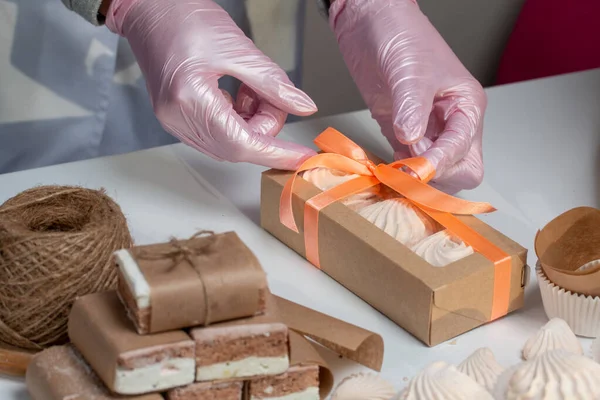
(342, 154)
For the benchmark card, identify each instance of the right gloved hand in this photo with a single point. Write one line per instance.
(425, 101)
(183, 48)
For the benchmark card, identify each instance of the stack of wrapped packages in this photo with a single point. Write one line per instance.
(190, 320)
(416, 254)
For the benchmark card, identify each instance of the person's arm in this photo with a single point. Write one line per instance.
(93, 11)
(104, 8)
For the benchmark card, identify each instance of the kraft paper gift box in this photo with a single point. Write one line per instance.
(433, 304)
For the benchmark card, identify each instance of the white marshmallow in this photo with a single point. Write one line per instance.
(135, 279)
(163, 375)
(251, 366)
(311, 393)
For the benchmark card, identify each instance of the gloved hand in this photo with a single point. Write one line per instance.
(424, 99)
(183, 48)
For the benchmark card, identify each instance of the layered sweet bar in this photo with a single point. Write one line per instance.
(299, 382)
(256, 346)
(60, 373)
(126, 362)
(188, 283)
(208, 391)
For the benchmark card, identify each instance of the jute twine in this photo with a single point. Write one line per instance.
(56, 243)
(188, 251)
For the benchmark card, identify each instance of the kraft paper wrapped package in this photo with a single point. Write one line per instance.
(272, 348)
(448, 274)
(129, 363)
(184, 283)
(60, 373)
(568, 269)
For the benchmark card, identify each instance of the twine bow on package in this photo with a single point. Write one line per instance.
(207, 279)
(414, 253)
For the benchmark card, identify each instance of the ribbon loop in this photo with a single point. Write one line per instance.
(419, 165)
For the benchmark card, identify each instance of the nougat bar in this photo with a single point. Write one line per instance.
(60, 373)
(126, 362)
(300, 382)
(192, 282)
(208, 391)
(238, 349)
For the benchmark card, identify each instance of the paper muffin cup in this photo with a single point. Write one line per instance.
(582, 313)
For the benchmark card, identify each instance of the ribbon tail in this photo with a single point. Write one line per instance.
(426, 196)
(502, 261)
(313, 207)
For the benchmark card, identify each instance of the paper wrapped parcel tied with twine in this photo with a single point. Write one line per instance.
(56, 243)
(434, 304)
(183, 283)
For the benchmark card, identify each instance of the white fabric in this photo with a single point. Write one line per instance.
(71, 90)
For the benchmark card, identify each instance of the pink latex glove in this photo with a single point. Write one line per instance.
(424, 99)
(183, 48)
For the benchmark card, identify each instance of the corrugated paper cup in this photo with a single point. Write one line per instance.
(581, 312)
(568, 251)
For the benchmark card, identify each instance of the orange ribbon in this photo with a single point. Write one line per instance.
(342, 154)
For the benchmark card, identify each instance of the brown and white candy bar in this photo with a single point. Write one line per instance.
(300, 382)
(126, 362)
(60, 373)
(208, 391)
(239, 349)
(188, 283)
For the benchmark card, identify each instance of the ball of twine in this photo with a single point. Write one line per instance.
(56, 243)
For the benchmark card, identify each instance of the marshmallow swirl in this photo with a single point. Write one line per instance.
(441, 249)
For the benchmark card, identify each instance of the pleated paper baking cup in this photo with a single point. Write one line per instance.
(568, 251)
(581, 312)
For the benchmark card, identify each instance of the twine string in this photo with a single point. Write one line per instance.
(188, 252)
(56, 244)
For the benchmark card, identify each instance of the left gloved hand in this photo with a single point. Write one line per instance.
(183, 49)
(424, 99)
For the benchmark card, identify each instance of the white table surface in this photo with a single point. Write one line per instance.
(541, 145)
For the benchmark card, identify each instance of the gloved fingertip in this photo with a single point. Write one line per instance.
(246, 102)
(288, 159)
(265, 124)
(302, 157)
(421, 146)
(297, 102)
(437, 158)
(410, 128)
